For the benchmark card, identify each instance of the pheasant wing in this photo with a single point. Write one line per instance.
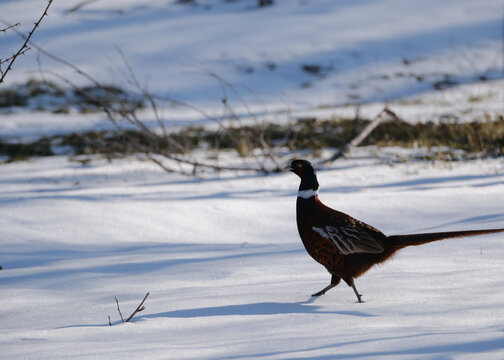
(350, 239)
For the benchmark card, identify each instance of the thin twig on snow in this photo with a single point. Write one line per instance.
(119, 308)
(139, 308)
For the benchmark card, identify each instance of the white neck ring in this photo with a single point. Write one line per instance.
(306, 194)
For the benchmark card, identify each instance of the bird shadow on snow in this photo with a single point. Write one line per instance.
(252, 309)
(260, 308)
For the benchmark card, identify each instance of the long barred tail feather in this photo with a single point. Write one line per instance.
(401, 241)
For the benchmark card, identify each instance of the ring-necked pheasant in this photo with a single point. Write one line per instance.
(346, 246)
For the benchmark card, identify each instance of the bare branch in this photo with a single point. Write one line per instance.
(3, 61)
(66, 63)
(129, 115)
(211, 166)
(147, 95)
(144, 91)
(79, 5)
(362, 135)
(9, 27)
(25, 44)
(139, 308)
(159, 163)
(118, 308)
(263, 144)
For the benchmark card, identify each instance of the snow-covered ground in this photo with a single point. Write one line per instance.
(227, 274)
(373, 50)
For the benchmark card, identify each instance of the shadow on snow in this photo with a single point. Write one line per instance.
(261, 308)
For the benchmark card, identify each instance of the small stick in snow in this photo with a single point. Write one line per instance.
(118, 308)
(139, 308)
(109, 322)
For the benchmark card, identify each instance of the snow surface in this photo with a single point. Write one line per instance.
(371, 50)
(227, 274)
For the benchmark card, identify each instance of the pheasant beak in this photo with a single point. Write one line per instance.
(288, 168)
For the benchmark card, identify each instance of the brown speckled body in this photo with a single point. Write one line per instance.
(313, 213)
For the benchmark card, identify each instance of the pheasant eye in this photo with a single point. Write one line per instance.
(299, 166)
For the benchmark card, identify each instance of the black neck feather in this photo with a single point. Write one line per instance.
(309, 182)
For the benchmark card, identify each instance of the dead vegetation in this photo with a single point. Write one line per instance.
(478, 138)
(45, 95)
